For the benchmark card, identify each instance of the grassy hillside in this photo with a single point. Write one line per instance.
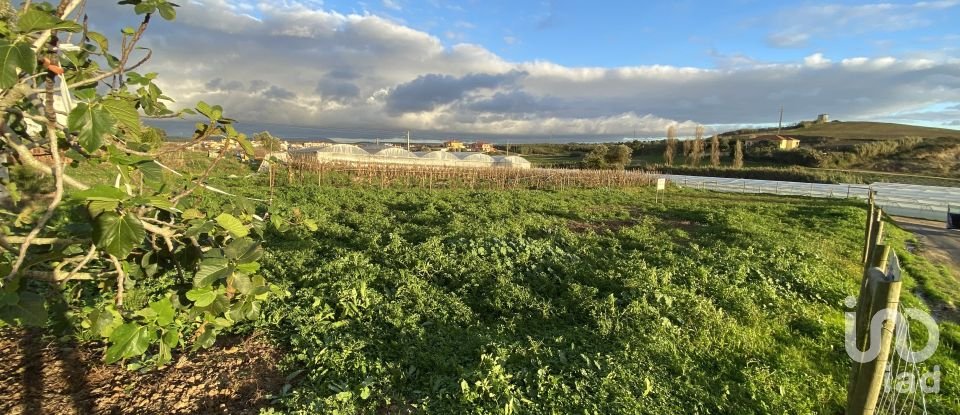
(865, 130)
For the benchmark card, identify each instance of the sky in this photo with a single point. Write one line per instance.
(554, 68)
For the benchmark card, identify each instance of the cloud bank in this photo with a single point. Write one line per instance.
(295, 63)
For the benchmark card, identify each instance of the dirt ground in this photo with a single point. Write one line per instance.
(940, 245)
(40, 376)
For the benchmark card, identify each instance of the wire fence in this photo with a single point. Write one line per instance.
(914, 201)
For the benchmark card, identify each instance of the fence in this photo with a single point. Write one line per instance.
(915, 201)
(387, 175)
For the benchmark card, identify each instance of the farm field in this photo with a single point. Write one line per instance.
(402, 299)
(591, 301)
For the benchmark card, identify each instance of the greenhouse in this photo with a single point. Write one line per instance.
(476, 159)
(352, 154)
(392, 155)
(515, 162)
(441, 158)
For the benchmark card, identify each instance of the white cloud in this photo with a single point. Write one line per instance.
(816, 61)
(300, 64)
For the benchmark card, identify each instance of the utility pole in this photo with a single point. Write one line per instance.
(780, 124)
(408, 140)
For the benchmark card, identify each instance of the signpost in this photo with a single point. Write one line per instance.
(661, 186)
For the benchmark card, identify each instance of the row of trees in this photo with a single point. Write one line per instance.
(693, 150)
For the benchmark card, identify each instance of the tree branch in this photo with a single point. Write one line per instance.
(66, 7)
(199, 181)
(57, 177)
(121, 277)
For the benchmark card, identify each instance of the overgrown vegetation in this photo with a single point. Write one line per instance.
(460, 301)
(136, 261)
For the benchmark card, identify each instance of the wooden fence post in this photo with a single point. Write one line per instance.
(867, 246)
(882, 296)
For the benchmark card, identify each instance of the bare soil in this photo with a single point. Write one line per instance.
(41, 376)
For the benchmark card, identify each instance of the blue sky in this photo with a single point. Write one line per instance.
(558, 68)
(680, 33)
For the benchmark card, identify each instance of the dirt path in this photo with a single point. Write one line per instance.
(39, 376)
(940, 244)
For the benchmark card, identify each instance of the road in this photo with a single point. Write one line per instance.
(943, 244)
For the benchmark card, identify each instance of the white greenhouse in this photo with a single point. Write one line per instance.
(515, 162)
(353, 154)
(476, 159)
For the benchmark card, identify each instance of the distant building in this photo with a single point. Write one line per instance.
(781, 142)
(823, 118)
(482, 147)
(454, 145)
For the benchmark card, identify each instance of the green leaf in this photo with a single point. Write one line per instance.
(36, 20)
(248, 268)
(167, 11)
(129, 340)
(206, 339)
(28, 309)
(243, 250)
(202, 297)
(97, 207)
(100, 40)
(193, 213)
(171, 338)
(123, 111)
(101, 192)
(144, 8)
(245, 144)
(13, 57)
(211, 269)
(164, 310)
(199, 229)
(104, 321)
(90, 124)
(152, 171)
(242, 283)
(204, 109)
(232, 225)
(118, 234)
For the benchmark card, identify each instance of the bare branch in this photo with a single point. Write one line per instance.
(121, 278)
(90, 253)
(66, 7)
(57, 177)
(27, 159)
(57, 277)
(199, 181)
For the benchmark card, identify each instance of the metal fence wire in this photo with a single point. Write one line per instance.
(913, 201)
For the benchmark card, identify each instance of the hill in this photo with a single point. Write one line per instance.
(865, 147)
(856, 130)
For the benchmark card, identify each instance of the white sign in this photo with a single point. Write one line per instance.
(661, 184)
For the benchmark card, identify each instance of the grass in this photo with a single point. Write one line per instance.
(576, 301)
(862, 130)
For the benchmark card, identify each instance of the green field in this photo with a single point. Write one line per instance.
(580, 301)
